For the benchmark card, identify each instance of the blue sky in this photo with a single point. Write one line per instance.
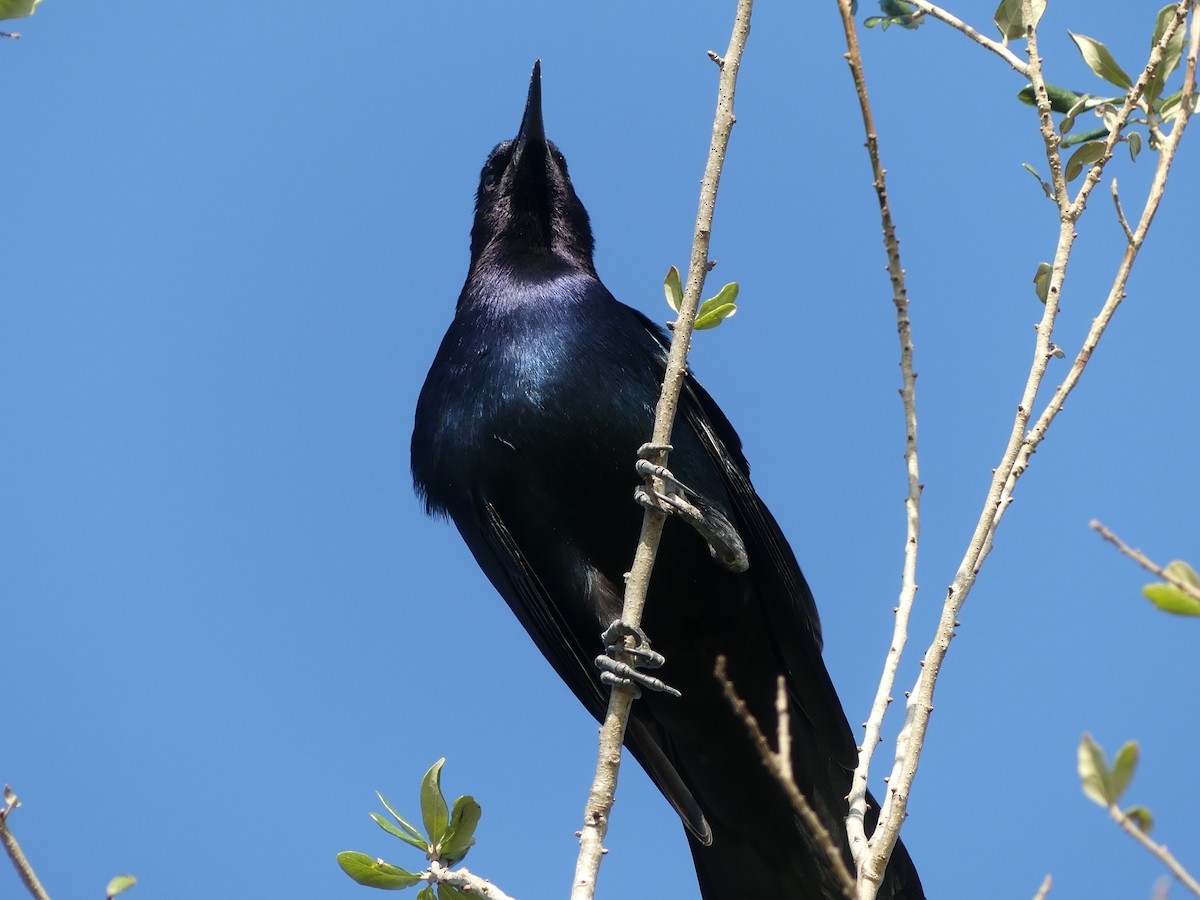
(233, 239)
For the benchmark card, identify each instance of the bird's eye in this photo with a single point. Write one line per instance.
(489, 179)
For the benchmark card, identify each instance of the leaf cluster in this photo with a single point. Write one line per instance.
(712, 312)
(1105, 784)
(448, 836)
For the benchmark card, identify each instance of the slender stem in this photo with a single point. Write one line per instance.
(871, 855)
(612, 732)
(780, 766)
(1160, 851)
(1146, 563)
(13, 849)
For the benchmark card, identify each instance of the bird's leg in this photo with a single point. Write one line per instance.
(724, 542)
(614, 671)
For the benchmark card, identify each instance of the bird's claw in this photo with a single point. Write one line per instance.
(724, 542)
(614, 671)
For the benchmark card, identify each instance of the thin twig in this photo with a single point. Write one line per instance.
(1044, 891)
(995, 46)
(13, 849)
(783, 728)
(782, 772)
(1146, 563)
(604, 785)
(1160, 851)
(465, 881)
(871, 855)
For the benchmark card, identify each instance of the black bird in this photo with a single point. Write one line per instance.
(526, 432)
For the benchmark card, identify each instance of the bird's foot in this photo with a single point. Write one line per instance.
(615, 672)
(724, 542)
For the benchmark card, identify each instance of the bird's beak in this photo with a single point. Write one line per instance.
(533, 132)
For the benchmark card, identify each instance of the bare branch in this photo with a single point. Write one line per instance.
(612, 732)
(782, 770)
(13, 849)
(1160, 851)
(871, 855)
(1044, 891)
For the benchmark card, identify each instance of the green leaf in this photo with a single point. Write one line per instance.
(1124, 765)
(714, 311)
(417, 836)
(896, 12)
(448, 892)
(375, 872)
(1140, 816)
(119, 885)
(460, 836)
(426, 893)
(673, 288)
(1169, 108)
(1183, 573)
(19, 9)
(1041, 280)
(419, 842)
(434, 812)
(1171, 55)
(1083, 137)
(1087, 155)
(1100, 61)
(1170, 599)
(1093, 771)
(1135, 145)
(1061, 100)
(1010, 19)
(1068, 122)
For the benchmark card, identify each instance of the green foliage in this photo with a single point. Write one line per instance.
(119, 885)
(19, 9)
(1171, 599)
(1103, 784)
(1010, 17)
(712, 312)
(1101, 61)
(896, 12)
(450, 834)
(1041, 280)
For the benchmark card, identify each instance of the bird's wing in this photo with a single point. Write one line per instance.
(510, 570)
(786, 600)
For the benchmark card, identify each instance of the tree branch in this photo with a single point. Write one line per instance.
(1022, 440)
(780, 765)
(465, 881)
(871, 855)
(612, 732)
(958, 24)
(13, 849)
(1159, 850)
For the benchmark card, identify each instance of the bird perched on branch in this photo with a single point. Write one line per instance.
(526, 432)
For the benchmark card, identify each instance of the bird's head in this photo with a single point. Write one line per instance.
(526, 210)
